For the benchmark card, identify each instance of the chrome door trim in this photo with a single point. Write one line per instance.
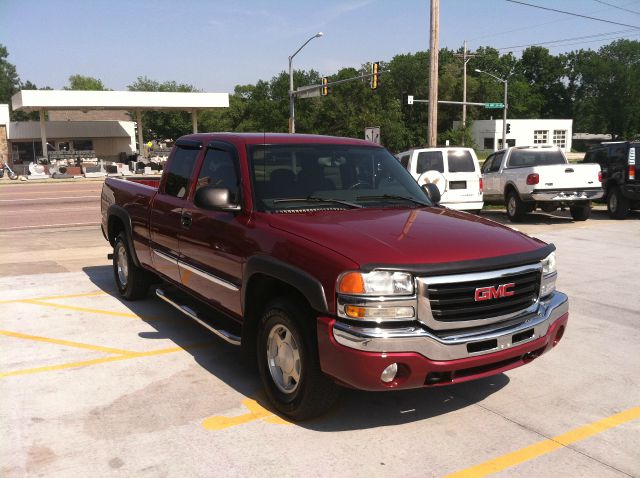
(208, 276)
(165, 256)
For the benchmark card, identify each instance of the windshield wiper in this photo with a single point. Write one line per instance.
(318, 199)
(395, 196)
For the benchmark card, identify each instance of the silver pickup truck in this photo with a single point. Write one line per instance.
(525, 178)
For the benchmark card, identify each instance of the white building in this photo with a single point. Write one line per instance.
(21, 141)
(487, 134)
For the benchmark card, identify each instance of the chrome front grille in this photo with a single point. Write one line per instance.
(449, 302)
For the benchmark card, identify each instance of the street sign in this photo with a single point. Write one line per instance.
(494, 105)
(410, 99)
(372, 133)
(308, 91)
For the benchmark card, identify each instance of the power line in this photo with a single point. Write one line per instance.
(581, 42)
(567, 39)
(536, 25)
(574, 14)
(616, 6)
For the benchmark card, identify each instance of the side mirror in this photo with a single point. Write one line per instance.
(215, 199)
(433, 193)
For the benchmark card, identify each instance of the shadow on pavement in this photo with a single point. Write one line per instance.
(556, 218)
(356, 409)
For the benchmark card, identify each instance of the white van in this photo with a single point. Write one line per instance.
(455, 171)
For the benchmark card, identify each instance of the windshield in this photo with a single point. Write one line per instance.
(524, 158)
(303, 176)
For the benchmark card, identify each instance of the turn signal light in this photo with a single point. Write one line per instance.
(379, 313)
(533, 178)
(352, 283)
(632, 172)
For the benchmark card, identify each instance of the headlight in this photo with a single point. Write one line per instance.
(549, 275)
(375, 283)
(549, 264)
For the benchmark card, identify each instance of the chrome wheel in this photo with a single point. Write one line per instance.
(511, 206)
(122, 266)
(283, 359)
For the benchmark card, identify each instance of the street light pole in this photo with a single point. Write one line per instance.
(504, 109)
(292, 113)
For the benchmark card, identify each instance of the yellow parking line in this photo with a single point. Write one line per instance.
(85, 363)
(546, 446)
(68, 296)
(256, 412)
(87, 309)
(97, 348)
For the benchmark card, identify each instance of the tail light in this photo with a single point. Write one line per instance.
(632, 172)
(481, 185)
(533, 178)
(600, 176)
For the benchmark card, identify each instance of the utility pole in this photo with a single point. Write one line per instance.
(434, 40)
(464, 88)
(465, 59)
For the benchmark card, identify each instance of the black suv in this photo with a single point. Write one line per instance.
(619, 162)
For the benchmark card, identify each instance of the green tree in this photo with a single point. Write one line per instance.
(9, 81)
(80, 82)
(608, 92)
(161, 124)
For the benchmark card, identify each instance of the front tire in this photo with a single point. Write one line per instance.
(132, 281)
(617, 204)
(288, 362)
(516, 208)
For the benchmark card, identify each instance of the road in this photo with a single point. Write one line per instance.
(93, 385)
(38, 205)
(50, 227)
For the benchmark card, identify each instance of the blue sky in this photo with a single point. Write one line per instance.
(215, 45)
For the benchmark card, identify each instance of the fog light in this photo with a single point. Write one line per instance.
(389, 373)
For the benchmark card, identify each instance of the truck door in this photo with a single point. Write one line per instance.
(213, 244)
(165, 221)
(490, 175)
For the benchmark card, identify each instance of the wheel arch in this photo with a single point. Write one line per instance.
(266, 278)
(119, 221)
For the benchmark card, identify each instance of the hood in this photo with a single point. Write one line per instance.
(406, 236)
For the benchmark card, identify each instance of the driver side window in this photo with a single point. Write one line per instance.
(219, 171)
(487, 164)
(495, 164)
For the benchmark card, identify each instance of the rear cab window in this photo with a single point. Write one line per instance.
(526, 158)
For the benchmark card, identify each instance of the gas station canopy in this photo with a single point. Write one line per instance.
(36, 100)
(138, 101)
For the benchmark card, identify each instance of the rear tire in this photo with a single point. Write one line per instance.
(288, 362)
(617, 204)
(580, 213)
(132, 281)
(516, 208)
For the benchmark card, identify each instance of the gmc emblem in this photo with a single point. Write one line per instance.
(487, 293)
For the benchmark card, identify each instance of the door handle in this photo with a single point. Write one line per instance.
(186, 220)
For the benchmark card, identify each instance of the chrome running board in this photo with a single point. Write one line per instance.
(185, 309)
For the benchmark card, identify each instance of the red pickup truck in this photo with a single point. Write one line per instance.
(327, 263)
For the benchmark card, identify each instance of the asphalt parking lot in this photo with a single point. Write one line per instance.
(94, 386)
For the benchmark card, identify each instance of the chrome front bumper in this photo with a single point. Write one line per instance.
(560, 196)
(418, 340)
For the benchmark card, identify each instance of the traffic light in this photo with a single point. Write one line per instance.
(325, 88)
(375, 79)
(508, 128)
